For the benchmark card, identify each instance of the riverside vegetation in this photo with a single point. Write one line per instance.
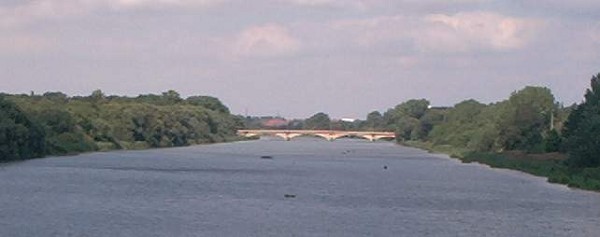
(529, 131)
(33, 126)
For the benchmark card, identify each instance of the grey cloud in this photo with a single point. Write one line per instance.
(35, 10)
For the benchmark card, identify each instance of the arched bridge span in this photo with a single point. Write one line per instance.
(330, 135)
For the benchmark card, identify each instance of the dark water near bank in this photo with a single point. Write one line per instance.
(335, 188)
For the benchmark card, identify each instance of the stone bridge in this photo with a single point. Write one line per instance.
(330, 135)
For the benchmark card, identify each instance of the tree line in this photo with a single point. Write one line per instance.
(530, 120)
(55, 124)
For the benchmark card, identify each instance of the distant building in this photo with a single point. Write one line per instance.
(275, 123)
(349, 120)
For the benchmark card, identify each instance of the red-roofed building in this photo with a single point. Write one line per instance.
(275, 123)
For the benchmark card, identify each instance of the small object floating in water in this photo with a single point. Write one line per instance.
(289, 195)
(385, 167)
(266, 157)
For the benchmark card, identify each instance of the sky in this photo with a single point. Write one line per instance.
(295, 58)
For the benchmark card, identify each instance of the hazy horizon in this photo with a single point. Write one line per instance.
(295, 58)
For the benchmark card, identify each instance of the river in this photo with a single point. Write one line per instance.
(305, 187)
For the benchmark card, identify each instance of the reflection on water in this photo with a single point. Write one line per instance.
(308, 187)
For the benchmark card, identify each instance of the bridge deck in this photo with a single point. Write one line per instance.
(327, 134)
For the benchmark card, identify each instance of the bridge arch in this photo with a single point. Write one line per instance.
(299, 134)
(287, 136)
(329, 135)
(374, 137)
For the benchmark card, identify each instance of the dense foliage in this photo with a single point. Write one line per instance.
(582, 129)
(55, 124)
(20, 138)
(319, 121)
(523, 122)
(529, 123)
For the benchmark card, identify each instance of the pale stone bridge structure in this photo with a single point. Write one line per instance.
(330, 135)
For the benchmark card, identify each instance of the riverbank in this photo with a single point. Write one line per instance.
(549, 165)
(109, 146)
(138, 147)
(55, 124)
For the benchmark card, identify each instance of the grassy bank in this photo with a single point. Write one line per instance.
(550, 165)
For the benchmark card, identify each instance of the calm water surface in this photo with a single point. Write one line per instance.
(341, 189)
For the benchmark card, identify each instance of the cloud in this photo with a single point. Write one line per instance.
(466, 31)
(375, 30)
(40, 9)
(355, 4)
(371, 4)
(557, 8)
(311, 2)
(126, 4)
(478, 30)
(31, 11)
(265, 41)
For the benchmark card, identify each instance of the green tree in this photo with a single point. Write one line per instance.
(20, 138)
(582, 129)
(97, 96)
(412, 108)
(319, 121)
(432, 118)
(63, 134)
(208, 102)
(171, 97)
(56, 96)
(553, 141)
(79, 124)
(405, 119)
(374, 121)
(469, 124)
(525, 119)
(408, 128)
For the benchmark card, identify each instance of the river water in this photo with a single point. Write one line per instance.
(309, 187)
